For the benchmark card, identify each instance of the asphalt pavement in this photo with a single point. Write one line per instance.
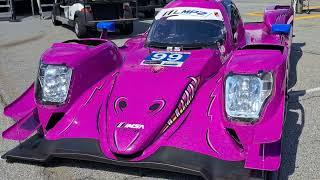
(22, 43)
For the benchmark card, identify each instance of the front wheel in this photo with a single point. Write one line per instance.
(79, 28)
(271, 175)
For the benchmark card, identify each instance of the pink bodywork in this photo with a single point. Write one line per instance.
(104, 74)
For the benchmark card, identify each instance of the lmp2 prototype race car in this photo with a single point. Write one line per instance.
(200, 92)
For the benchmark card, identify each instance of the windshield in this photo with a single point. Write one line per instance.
(186, 33)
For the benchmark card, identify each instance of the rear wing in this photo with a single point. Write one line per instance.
(278, 15)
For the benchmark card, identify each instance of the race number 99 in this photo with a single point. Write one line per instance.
(159, 56)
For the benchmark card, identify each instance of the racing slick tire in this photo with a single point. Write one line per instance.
(54, 20)
(79, 27)
(127, 28)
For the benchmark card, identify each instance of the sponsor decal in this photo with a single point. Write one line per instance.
(185, 101)
(130, 126)
(173, 59)
(190, 13)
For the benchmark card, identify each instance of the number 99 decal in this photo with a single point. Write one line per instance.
(166, 59)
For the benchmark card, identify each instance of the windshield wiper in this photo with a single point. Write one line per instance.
(183, 46)
(158, 45)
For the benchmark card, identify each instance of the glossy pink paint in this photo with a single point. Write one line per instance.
(104, 75)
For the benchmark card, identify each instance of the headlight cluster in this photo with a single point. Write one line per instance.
(245, 95)
(54, 81)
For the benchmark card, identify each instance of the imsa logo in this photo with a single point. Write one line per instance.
(130, 126)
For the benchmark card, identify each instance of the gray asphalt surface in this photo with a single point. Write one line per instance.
(22, 43)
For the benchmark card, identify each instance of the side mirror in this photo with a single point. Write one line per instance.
(223, 35)
(106, 27)
(281, 29)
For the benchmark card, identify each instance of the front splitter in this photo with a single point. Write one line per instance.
(38, 149)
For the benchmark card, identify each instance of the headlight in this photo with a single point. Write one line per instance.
(246, 94)
(54, 82)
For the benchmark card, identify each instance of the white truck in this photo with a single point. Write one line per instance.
(83, 15)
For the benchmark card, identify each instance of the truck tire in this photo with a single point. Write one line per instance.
(150, 13)
(79, 27)
(127, 28)
(54, 20)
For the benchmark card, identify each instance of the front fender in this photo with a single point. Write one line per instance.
(263, 139)
(92, 60)
(272, 116)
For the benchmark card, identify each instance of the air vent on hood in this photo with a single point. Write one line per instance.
(235, 137)
(264, 47)
(54, 119)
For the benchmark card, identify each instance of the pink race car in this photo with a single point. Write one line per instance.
(200, 92)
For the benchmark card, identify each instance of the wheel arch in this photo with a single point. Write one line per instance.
(77, 14)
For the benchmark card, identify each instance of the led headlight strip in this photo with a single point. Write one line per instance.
(184, 102)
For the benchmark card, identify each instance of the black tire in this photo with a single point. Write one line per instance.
(150, 13)
(127, 28)
(54, 20)
(79, 27)
(271, 175)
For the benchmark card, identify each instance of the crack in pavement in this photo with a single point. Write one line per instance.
(89, 177)
(23, 41)
(48, 174)
(2, 100)
(311, 52)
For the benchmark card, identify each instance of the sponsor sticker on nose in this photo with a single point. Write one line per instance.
(130, 126)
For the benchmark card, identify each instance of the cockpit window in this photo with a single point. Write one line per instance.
(186, 33)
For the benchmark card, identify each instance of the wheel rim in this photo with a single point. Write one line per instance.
(76, 28)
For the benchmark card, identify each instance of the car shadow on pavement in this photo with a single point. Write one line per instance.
(295, 56)
(295, 117)
(291, 133)
(316, 10)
